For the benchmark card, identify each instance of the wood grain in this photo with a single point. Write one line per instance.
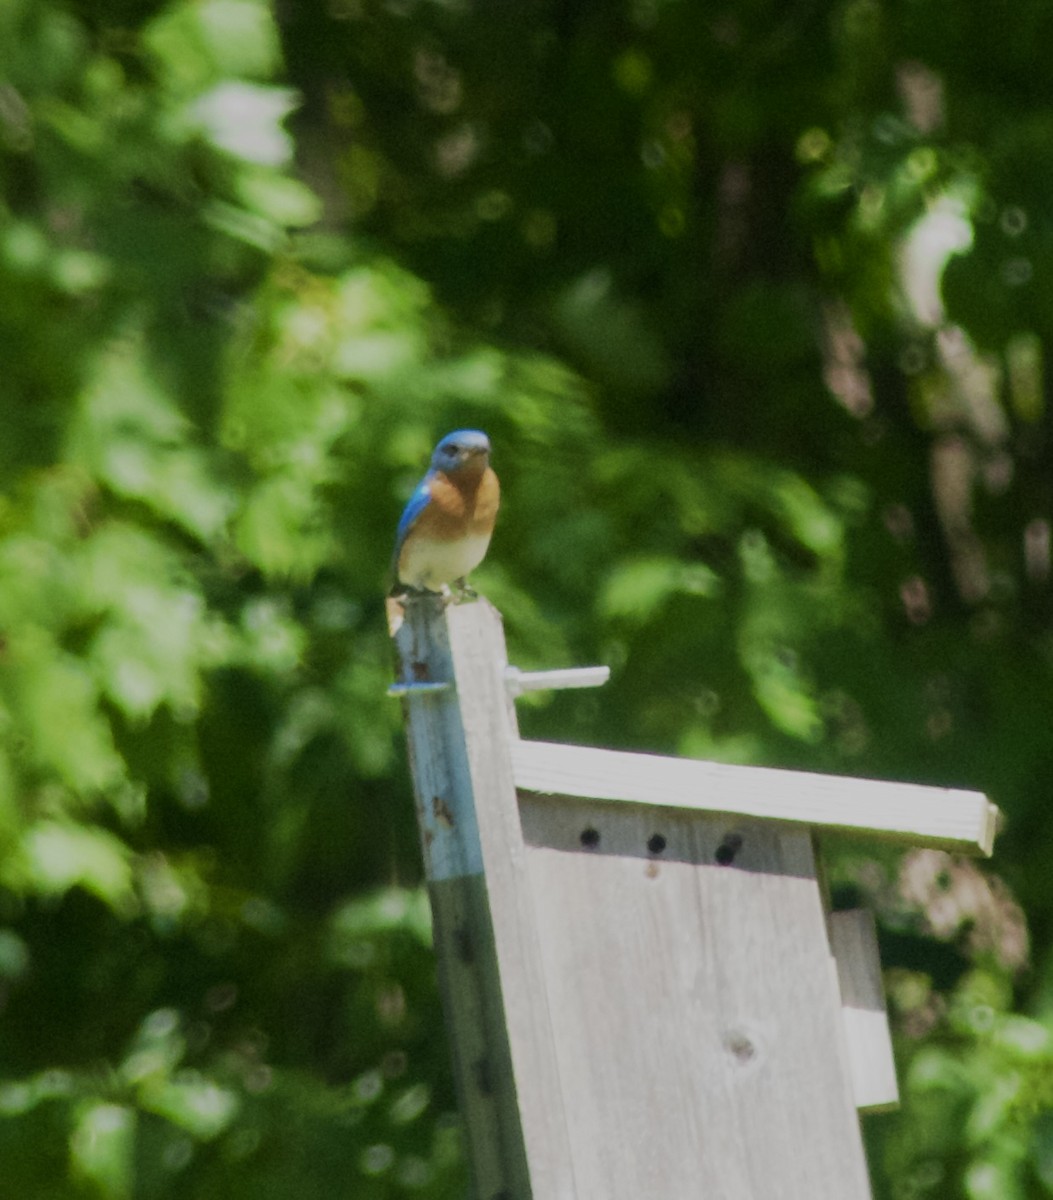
(485, 931)
(694, 1006)
(477, 648)
(470, 983)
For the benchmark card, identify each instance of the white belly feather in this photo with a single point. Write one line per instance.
(428, 564)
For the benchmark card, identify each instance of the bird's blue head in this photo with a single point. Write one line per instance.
(461, 448)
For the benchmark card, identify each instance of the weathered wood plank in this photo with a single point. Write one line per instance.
(853, 940)
(486, 940)
(463, 930)
(910, 813)
(474, 1012)
(477, 647)
(694, 1005)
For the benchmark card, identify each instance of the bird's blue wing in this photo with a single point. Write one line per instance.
(416, 504)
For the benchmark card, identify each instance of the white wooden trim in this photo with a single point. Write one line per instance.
(904, 812)
(853, 940)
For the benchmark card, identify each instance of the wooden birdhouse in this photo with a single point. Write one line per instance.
(647, 995)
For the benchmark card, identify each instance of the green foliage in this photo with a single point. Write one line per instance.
(754, 306)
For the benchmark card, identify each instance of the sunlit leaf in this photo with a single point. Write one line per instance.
(200, 42)
(157, 1049)
(58, 856)
(192, 1102)
(638, 588)
(285, 201)
(102, 1148)
(1029, 1039)
(380, 912)
(281, 527)
(245, 120)
(67, 731)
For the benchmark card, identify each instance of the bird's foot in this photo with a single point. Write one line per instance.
(406, 591)
(462, 592)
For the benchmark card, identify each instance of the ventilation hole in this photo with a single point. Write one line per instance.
(656, 843)
(728, 848)
(590, 837)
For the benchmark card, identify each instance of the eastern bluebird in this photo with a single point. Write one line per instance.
(446, 526)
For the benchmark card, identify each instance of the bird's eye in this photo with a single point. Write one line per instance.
(454, 449)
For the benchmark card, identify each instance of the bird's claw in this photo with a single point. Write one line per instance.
(463, 592)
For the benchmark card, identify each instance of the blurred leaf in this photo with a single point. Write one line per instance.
(192, 1102)
(67, 732)
(102, 1148)
(197, 43)
(988, 1179)
(286, 202)
(14, 955)
(132, 437)
(245, 120)
(612, 333)
(637, 589)
(379, 913)
(1028, 1039)
(994, 1109)
(57, 856)
(156, 1050)
(282, 527)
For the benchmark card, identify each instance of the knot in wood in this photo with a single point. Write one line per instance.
(741, 1046)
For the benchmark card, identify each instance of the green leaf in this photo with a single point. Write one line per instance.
(994, 1179)
(377, 914)
(196, 43)
(1024, 1038)
(14, 955)
(193, 1102)
(68, 734)
(934, 1069)
(286, 202)
(156, 1050)
(154, 638)
(130, 434)
(102, 1148)
(281, 527)
(995, 1109)
(637, 588)
(808, 516)
(245, 121)
(57, 856)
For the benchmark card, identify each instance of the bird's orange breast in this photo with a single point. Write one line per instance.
(461, 505)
